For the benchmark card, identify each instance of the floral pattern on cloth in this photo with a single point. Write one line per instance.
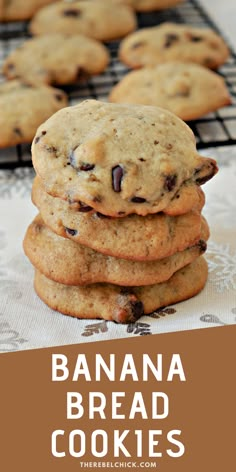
(26, 323)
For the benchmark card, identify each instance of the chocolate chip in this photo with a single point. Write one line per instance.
(202, 245)
(51, 149)
(59, 97)
(18, 132)
(130, 308)
(183, 93)
(170, 182)
(212, 168)
(117, 176)
(83, 208)
(138, 44)
(126, 291)
(71, 232)
(39, 137)
(170, 39)
(203, 180)
(156, 142)
(82, 74)
(209, 62)
(72, 12)
(100, 215)
(138, 200)
(86, 166)
(10, 66)
(142, 159)
(137, 309)
(196, 39)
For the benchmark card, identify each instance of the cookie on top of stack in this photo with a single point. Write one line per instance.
(120, 231)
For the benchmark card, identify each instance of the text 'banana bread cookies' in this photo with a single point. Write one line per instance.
(120, 231)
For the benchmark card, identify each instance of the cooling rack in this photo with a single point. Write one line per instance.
(212, 130)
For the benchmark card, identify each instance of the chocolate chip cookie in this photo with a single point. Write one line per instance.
(173, 42)
(188, 90)
(101, 20)
(121, 304)
(142, 239)
(70, 263)
(18, 10)
(56, 59)
(118, 159)
(23, 108)
(151, 5)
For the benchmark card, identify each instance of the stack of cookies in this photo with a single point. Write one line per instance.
(120, 231)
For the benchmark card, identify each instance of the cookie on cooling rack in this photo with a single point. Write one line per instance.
(19, 10)
(186, 89)
(56, 59)
(101, 20)
(23, 107)
(151, 5)
(173, 42)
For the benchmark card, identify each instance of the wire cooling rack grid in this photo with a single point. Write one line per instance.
(214, 129)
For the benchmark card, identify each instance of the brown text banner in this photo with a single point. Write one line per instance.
(164, 402)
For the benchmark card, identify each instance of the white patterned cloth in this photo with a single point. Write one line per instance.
(26, 323)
